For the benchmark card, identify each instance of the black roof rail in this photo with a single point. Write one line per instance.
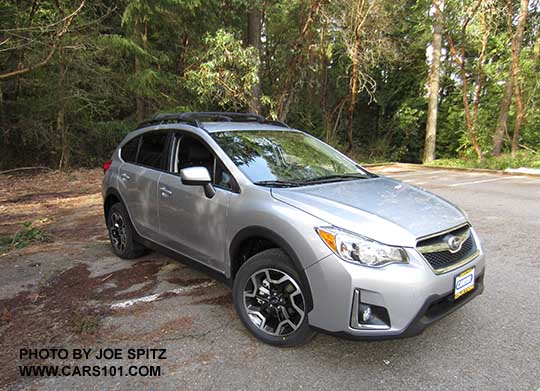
(232, 116)
(159, 119)
(195, 118)
(224, 116)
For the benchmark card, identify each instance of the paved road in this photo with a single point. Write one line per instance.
(493, 343)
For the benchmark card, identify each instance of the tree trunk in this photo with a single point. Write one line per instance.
(353, 81)
(353, 93)
(509, 87)
(433, 100)
(503, 118)
(460, 57)
(323, 83)
(140, 113)
(61, 127)
(516, 51)
(2, 116)
(139, 100)
(254, 40)
(296, 62)
(520, 115)
(468, 120)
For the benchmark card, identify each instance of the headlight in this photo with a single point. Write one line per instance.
(358, 249)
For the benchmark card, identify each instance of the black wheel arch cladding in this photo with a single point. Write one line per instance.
(257, 231)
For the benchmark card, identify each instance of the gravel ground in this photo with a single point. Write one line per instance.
(72, 291)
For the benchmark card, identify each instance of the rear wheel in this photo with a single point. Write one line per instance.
(121, 233)
(270, 299)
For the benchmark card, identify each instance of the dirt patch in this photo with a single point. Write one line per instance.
(203, 358)
(52, 196)
(49, 184)
(67, 286)
(67, 308)
(223, 300)
(187, 281)
(142, 272)
(38, 197)
(182, 326)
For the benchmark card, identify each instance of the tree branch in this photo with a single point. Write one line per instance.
(68, 20)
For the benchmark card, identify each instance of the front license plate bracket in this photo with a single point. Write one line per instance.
(464, 282)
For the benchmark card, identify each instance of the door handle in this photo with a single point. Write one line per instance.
(165, 192)
(125, 177)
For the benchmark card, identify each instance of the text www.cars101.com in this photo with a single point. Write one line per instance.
(89, 370)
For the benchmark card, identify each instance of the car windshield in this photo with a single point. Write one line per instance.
(285, 158)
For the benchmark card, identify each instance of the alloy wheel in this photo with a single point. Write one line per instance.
(117, 228)
(274, 302)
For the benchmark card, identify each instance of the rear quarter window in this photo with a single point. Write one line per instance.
(129, 151)
(152, 149)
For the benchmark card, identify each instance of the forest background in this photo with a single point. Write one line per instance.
(444, 82)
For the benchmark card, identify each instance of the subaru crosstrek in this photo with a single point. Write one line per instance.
(307, 238)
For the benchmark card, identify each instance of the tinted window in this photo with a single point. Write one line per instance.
(283, 156)
(193, 153)
(152, 149)
(223, 178)
(129, 151)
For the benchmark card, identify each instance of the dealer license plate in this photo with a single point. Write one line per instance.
(464, 283)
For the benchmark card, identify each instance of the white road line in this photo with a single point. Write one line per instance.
(468, 173)
(482, 181)
(150, 298)
(414, 183)
(417, 173)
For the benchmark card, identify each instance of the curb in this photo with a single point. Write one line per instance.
(380, 164)
(465, 169)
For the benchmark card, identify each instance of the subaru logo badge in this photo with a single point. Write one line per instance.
(454, 243)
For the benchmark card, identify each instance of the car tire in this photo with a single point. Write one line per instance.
(121, 233)
(279, 318)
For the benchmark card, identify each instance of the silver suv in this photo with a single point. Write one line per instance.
(308, 239)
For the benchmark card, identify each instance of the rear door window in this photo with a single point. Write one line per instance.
(152, 150)
(129, 151)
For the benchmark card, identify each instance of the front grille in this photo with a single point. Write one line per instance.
(437, 252)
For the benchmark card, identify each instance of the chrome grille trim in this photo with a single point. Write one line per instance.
(436, 250)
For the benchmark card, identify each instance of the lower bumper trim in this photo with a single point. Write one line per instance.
(434, 308)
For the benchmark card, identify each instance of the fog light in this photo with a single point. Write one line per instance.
(366, 314)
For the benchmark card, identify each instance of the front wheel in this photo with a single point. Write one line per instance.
(270, 299)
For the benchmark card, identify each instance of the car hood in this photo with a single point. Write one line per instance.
(380, 208)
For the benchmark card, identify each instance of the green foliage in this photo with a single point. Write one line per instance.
(123, 46)
(122, 60)
(522, 159)
(226, 72)
(28, 234)
(85, 324)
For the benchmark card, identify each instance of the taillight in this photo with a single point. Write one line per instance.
(107, 165)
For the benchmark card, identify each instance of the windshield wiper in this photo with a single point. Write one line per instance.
(335, 177)
(277, 183)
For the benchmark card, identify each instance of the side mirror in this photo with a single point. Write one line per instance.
(198, 176)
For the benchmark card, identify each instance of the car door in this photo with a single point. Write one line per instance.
(139, 178)
(190, 222)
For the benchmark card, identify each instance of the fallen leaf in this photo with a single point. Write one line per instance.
(6, 316)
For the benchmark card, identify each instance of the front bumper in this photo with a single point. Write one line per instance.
(412, 293)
